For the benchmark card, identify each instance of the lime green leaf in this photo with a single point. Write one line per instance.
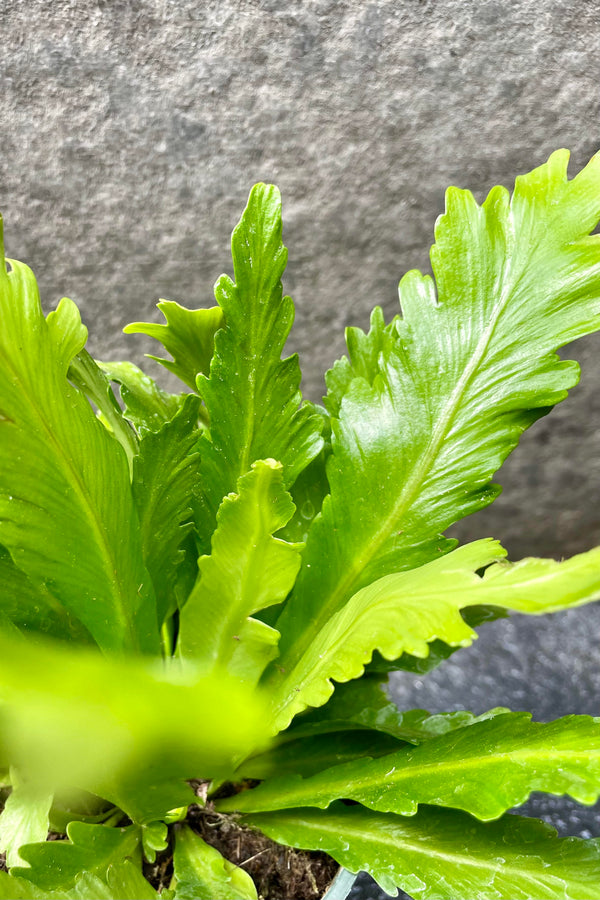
(418, 725)
(126, 882)
(248, 570)
(164, 476)
(91, 849)
(66, 512)
(364, 352)
(147, 406)
(85, 373)
(24, 819)
(154, 839)
(403, 613)
(87, 887)
(256, 647)
(189, 337)
(33, 609)
(444, 854)
(130, 731)
(484, 769)
(66, 329)
(252, 395)
(438, 650)
(428, 408)
(201, 873)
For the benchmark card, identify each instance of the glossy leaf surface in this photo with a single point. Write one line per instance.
(189, 336)
(404, 613)
(444, 854)
(33, 609)
(474, 616)
(428, 407)
(201, 873)
(146, 405)
(88, 887)
(252, 395)
(126, 882)
(85, 373)
(155, 838)
(164, 478)
(95, 863)
(66, 511)
(248, 570)
(485, 769)
(90, 849)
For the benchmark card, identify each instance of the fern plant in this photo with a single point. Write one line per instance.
(202, 593)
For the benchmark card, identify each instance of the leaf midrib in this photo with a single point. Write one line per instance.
(234, 621)
(464, 859)
(414, 482)
(458, 859)
(108, 559)
(411, 490)
(409, 771)
(497, 586)
(250, 363)
(284, 696)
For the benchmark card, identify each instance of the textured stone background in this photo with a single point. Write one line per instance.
(132, 130)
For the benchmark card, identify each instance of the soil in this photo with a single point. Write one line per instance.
(279, 873)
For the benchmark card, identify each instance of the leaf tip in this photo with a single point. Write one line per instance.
(265, 192)
(264, 204)
(268, 463)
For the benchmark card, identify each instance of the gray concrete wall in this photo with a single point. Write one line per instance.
(132, 130)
